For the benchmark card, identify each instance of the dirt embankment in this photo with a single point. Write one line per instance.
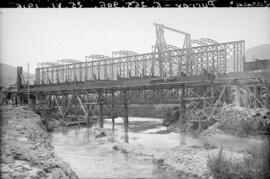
(25, 147)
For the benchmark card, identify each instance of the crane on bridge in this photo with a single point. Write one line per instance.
(161, 46)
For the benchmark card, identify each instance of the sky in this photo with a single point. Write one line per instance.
(41, 35)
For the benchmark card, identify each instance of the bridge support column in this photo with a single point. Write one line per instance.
(212, 96)
(227, 95)
(112, 112)
(126, 123)
(237, 96)
(182, 108)
(90, 114)
(126, 109)
(267, 97)
(256, 96)
(126, 115)
(100, 102)
(86, 114)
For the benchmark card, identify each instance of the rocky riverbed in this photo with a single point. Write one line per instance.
(25, 147)
(183, 161)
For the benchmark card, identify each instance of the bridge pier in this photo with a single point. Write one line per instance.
(100, 103)
(182, 108)
(113, 112)
(267, 96)
(125, 109)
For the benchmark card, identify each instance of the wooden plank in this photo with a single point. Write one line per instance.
(267, 97)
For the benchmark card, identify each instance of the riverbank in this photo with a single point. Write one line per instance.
(25, 147)
(182, 161)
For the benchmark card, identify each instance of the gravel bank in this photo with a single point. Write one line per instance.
(183, 161)
(25, 147)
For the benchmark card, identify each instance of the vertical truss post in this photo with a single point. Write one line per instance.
(100, 102)
(189, 54)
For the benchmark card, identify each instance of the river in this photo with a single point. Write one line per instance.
(90, 159)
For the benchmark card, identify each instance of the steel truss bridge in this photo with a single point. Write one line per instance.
(195, 78)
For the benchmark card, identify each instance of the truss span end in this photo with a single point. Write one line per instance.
(96, 57)
(123, 53)
(164, 47)
(67, 61)
(204, 41)
(46, 64)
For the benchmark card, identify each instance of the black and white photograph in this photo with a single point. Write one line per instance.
(128, 93)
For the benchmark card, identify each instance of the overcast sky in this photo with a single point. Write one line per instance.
(38, 35)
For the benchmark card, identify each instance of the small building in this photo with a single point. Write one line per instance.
(257, 65)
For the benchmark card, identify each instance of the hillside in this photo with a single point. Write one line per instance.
(8, 75)
(259, 52)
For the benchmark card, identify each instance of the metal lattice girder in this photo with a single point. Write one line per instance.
(198, 41)
(67, 61)
(209, 41)
(46, 64)
(96, 57)
(123, 53)
(217, 58)
(204, 41)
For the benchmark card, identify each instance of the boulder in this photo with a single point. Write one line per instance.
(100, 134)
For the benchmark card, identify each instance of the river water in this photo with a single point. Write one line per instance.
(89, 159)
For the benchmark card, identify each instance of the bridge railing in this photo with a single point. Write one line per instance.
(215, 58)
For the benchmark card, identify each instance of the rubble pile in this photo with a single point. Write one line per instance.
(25, 147)
(240, 121)
(199, 114)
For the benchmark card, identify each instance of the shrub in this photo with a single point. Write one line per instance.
(254, 165)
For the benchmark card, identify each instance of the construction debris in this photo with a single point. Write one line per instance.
(240, 121)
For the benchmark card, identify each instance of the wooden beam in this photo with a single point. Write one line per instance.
(81, 104)
(86, 114)
(216, 103)
(69, 104)
(113, 112)
(100, 102)
(58, 106)
(267, 97)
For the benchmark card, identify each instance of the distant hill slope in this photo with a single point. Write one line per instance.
(8, 75)
(259, 52)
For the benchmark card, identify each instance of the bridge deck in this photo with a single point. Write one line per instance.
(258, 79)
